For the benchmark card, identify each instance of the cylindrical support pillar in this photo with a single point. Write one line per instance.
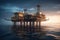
(27, 26)
(30, 27)
(14, 23)
(39, 26)
(33, 26)
(36, 23)
(21, 25)
(24, 26)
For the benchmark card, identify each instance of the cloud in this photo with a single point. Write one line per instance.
(12, 9)
(32, 9)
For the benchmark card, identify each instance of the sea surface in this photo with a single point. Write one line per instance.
(52, 33)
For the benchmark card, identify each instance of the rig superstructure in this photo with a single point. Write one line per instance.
(29, 23)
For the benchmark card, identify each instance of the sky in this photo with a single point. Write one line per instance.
(51, 8)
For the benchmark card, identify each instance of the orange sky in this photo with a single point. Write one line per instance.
(53, 20)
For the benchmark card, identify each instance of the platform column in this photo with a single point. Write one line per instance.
(39, 26)
(21, 25)
(30, 26)
(36, 26)
(33, 28)
(14, 23)
(24, 26)
(27, 29)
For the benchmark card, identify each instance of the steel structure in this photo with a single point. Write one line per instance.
(28, 23)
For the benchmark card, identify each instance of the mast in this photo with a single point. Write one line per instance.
(38, 15)
(38, 9)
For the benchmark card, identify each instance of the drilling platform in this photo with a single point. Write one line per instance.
(28, 23)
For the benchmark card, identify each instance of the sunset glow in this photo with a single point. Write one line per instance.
(53, 20)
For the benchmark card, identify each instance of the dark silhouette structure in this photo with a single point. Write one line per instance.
(29, 23)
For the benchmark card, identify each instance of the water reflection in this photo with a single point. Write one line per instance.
(5, 32)
(51, 31)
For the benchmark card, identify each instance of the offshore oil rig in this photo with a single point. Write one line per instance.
(28, 23)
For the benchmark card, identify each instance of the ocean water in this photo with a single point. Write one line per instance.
(52, 33)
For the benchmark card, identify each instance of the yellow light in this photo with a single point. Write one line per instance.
(40, 12)
(21, 15)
